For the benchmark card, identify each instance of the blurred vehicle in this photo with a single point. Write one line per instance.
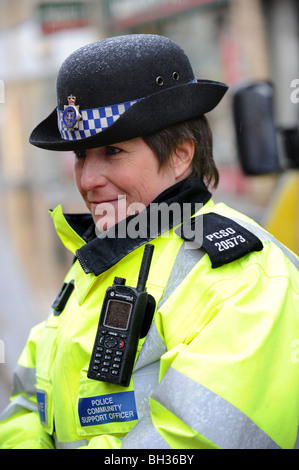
(258, 153)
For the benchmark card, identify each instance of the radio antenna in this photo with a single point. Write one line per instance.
(144, 268)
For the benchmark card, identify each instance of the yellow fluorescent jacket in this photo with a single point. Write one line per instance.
(219, 367)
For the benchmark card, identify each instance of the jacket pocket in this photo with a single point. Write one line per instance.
(45, 404)
(44, 363)
(103, 408)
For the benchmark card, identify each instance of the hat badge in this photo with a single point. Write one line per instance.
(71, 115)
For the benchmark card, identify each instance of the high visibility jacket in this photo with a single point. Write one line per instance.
(218, 367)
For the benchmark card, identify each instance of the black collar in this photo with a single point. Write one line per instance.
(102, 252)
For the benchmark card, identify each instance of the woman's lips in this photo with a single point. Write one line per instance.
(95, 204)
(97, 207)
(109, 212)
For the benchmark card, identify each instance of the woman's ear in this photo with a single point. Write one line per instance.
(182, 159)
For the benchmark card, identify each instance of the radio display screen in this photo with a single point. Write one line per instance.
(118, 314)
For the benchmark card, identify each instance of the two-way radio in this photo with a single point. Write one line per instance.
(124, 311)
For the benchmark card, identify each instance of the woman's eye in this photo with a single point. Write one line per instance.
(113, 150)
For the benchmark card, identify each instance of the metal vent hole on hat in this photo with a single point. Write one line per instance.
(160, 80)
(175, 76)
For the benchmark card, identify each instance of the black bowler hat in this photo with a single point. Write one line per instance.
(123, 87)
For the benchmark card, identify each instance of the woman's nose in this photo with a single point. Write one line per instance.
(92, 175)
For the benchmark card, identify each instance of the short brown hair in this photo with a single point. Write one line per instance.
(163, 143)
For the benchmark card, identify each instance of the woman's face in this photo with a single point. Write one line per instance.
(117, 180)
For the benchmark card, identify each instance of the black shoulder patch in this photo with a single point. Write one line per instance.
(222, 238)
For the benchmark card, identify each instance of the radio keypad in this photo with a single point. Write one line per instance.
(109, 353)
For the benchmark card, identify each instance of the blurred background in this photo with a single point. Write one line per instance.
(250, 44)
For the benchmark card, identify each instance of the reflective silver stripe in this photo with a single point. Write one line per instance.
(186, 259)
(145, 381)
(144, 436)
(24, 380)
(263, 235)
(23, 383)
(71, 445)
(19, 404)
(209, 414)
(153, 348)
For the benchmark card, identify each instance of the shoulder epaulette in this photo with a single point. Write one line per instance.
(222, 238)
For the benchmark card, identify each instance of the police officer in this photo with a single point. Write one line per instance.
(215, 360)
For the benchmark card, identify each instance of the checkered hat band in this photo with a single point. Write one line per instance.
(92, 121)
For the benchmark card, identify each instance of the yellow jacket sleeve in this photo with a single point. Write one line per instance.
(19, 423)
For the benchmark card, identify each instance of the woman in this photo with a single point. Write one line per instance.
(212, 363)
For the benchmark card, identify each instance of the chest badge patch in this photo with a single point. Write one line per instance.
(103, 409)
